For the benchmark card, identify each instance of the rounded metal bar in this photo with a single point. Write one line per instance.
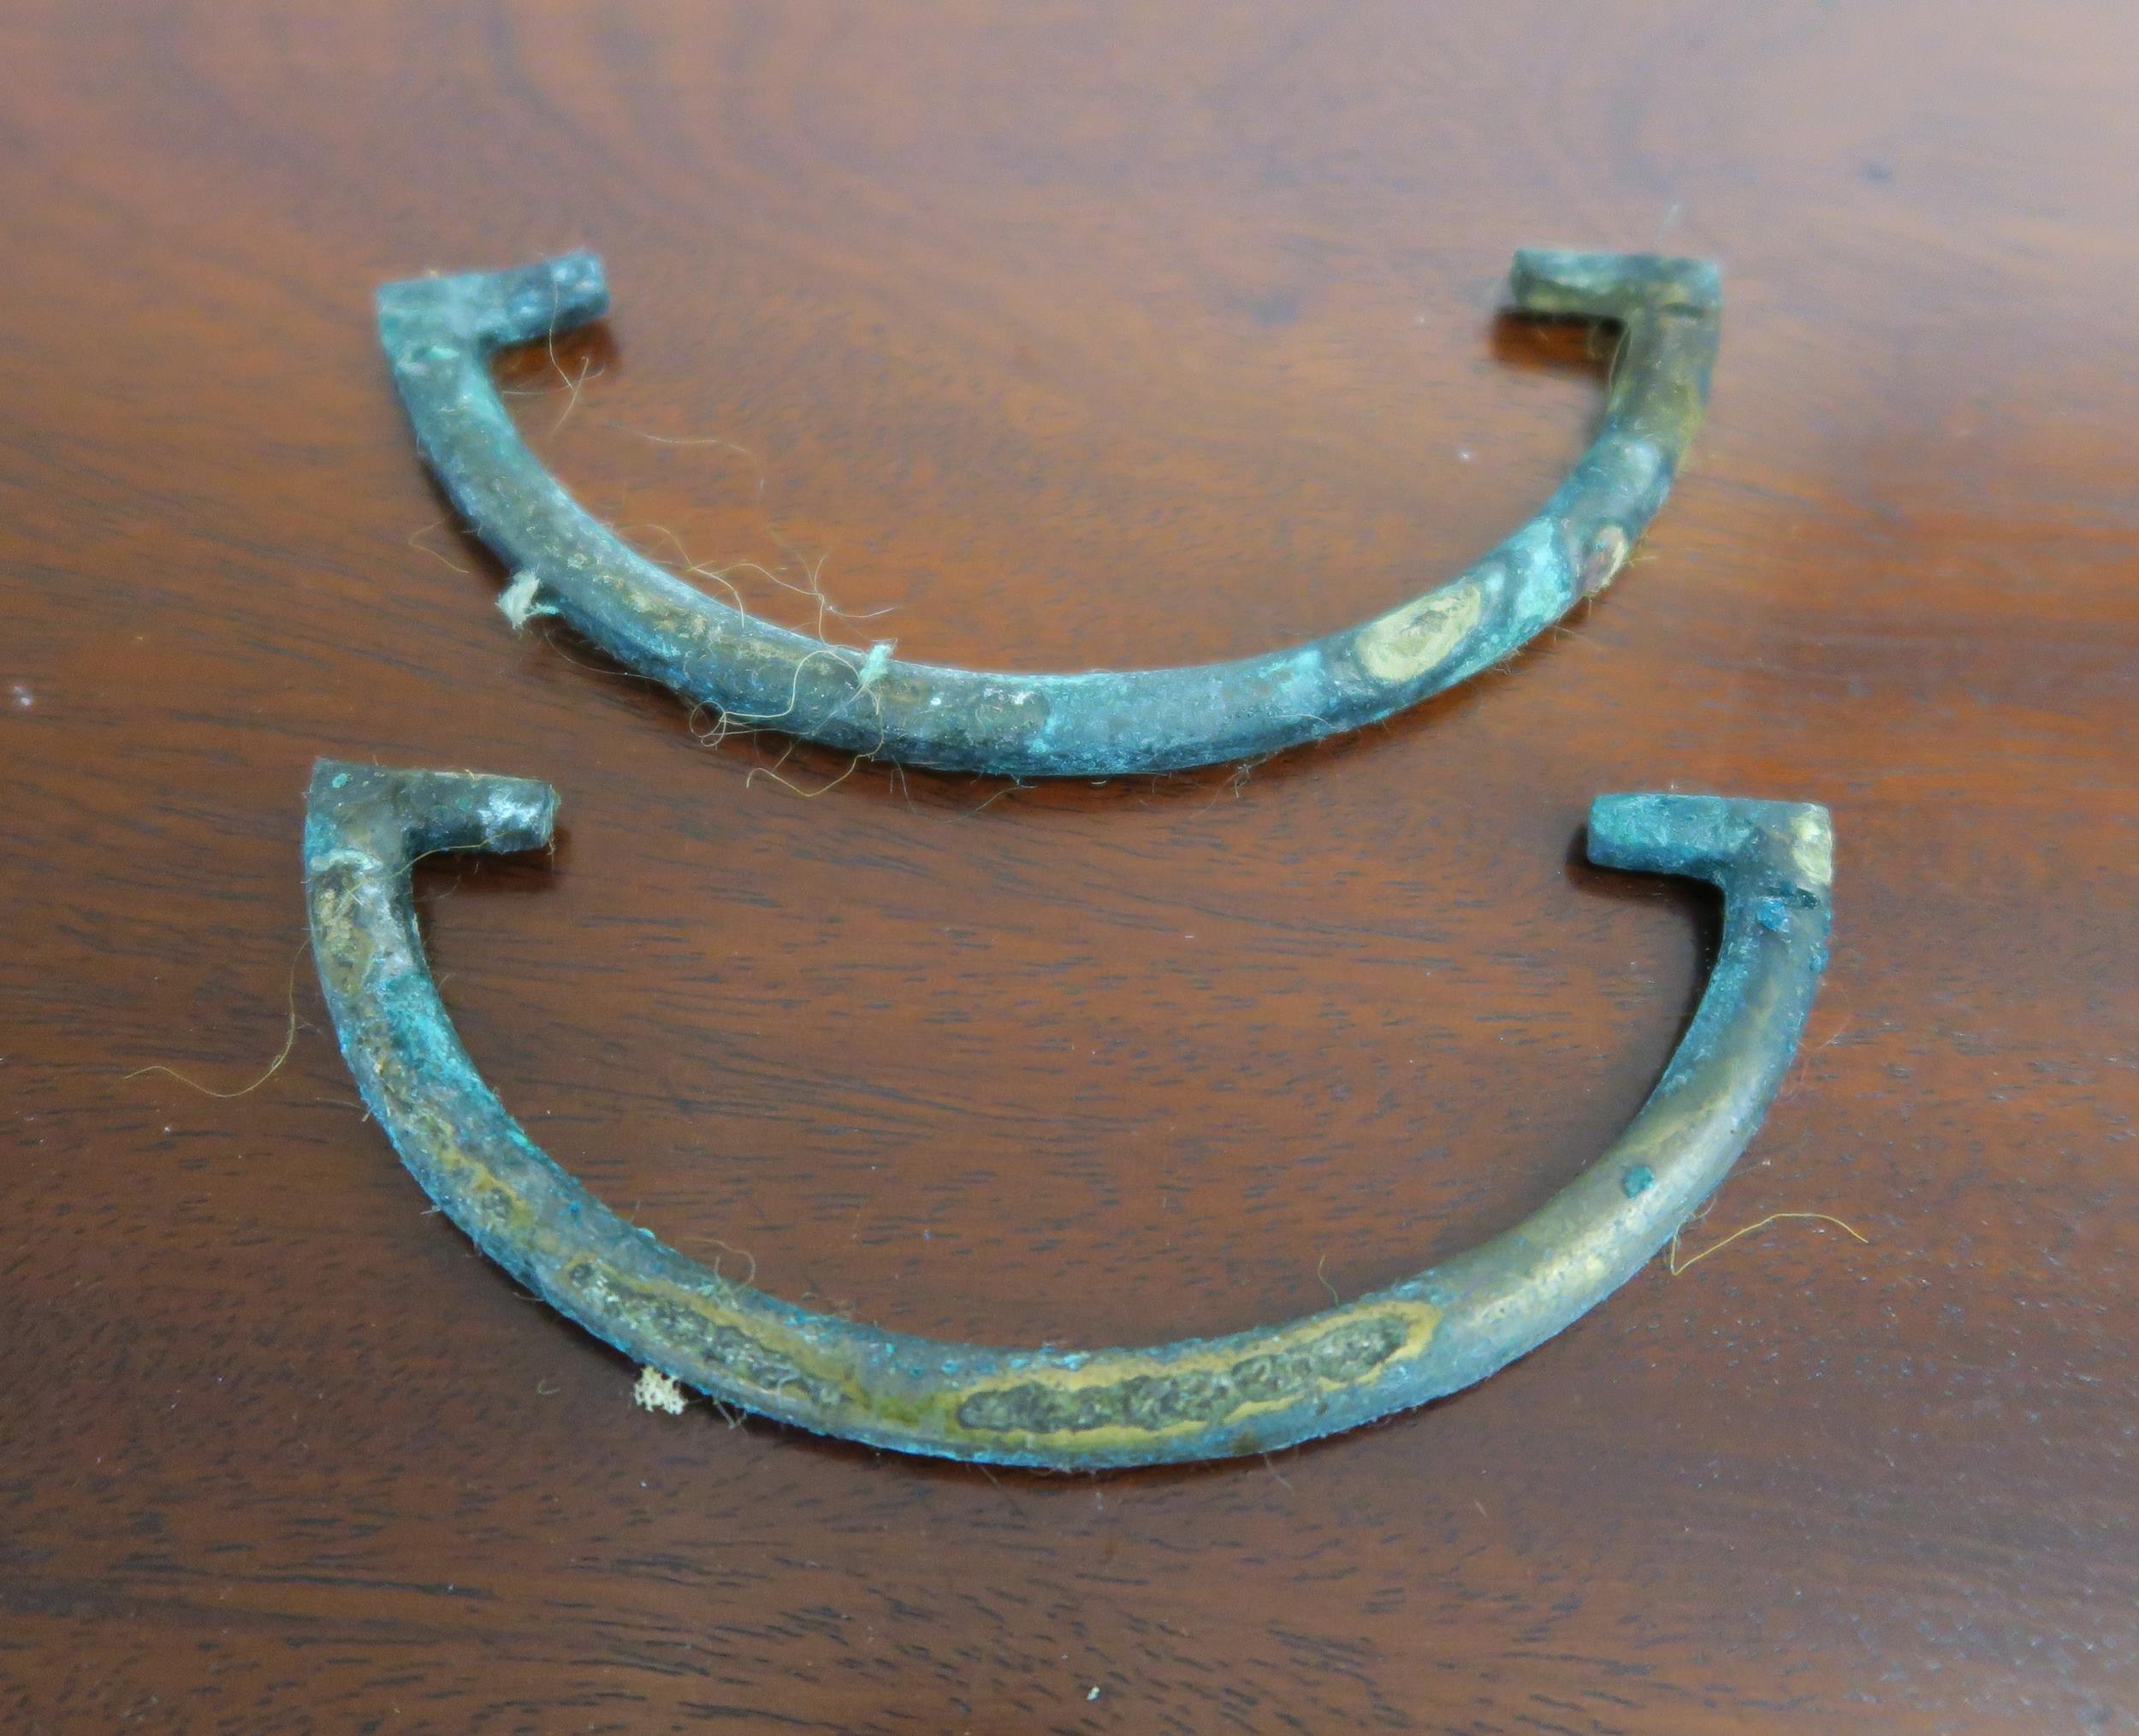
(440, 334)
(1197, 1398)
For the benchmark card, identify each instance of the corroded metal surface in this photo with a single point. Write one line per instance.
(440, 334)
(1197, 1398)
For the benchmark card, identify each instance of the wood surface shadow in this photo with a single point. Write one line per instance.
(1701, 905)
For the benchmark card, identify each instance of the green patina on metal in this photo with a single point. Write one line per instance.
(1197, 1398)
(441, 333)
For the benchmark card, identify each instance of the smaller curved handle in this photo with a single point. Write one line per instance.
(440, 334)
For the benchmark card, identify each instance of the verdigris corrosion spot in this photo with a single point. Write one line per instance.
(440, 334)
(1270, 1386)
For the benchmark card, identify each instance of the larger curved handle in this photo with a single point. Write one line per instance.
(440, 334)
(1198, 1399)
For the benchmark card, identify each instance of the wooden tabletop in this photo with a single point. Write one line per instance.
(1056, 337)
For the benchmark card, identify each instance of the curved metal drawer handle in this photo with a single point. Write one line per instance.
(440, 334)
(1198, 1399)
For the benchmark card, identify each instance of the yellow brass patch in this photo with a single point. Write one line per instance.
(1812, 849)
(1407, 642)
(1127, 1399)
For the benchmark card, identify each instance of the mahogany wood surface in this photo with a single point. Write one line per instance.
(1063, 336)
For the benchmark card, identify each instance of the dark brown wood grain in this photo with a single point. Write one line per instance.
(1070, 336)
